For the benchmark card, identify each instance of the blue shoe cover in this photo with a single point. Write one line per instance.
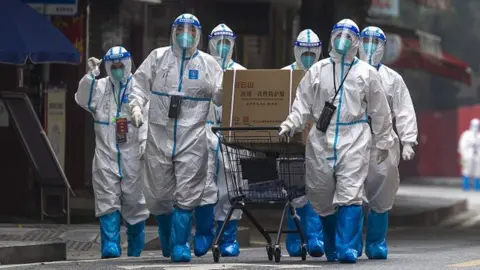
(136, 239)
(360, 242)
(228, 241)
(313, 231)
(466, 183)
(110, 235)
(293, 241)
(349, 232)
(329, 224)
(204, 225)
(477, 184)
(377, 227)
(180, 235)
(164, 223)
(360, 246)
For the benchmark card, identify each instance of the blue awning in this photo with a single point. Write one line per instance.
(25, 34)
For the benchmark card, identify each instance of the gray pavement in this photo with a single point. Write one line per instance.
(450, 238)
(410, 248)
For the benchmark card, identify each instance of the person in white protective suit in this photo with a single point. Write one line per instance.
(119, 147)
(338, 93)
(469, 150)
(307, 51)
(383, 179)
(180, 82)
(221, 43)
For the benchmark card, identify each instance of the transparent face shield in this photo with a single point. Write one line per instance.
(307, 53)
(117, 69)
(118, 65)
(185, 36)
(373, 47)
(343, 40)
(221, 46)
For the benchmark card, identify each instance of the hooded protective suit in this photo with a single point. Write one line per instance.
(180, 82)
(469, 150)
(221, 43)
(383, 179)
(336, 149)
(117, 168)
(307, 51)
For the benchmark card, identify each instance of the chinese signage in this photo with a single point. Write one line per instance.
(54, 7)
(384, 8)
(430, 44)
(73, 29)
(56, 122)
(436, 4)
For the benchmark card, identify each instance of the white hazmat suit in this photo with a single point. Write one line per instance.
(307, 51)
(221, 44)
(338, 148)
(469, 150)
(117, 168)
(180, 82)
(383, 179)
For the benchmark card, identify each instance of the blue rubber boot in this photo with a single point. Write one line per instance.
(349, 233)
(293, 240)
(377, 227)
(329, 224)
(314, 232)
(110, 235)
(228, 242)
(466, 183)
(180, 235)
(477, 184)
(136, 239)
(164, 223)
(204, 223)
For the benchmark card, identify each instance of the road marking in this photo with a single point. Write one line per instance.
(217, 266)
(466, 264)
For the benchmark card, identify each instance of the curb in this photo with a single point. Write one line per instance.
(429, 218)
(452, 182)
(243, 239)
(13, 252)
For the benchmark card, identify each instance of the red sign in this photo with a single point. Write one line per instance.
(73, 27)
(436, 4)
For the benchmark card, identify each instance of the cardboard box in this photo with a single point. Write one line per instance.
(260, 98)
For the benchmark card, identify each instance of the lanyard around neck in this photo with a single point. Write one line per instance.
(342, 80)
(122, 89)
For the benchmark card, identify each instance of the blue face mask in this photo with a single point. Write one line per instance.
(185, 40)
(342, 45)
(117, 74)
(307, 60)
(369, 48)
(223, 50)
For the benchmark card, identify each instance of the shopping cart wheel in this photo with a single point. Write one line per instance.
(216, 254)
(270, 252)
(303, 252)
(277, 253)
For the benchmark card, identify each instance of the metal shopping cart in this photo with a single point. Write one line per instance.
(261, 168)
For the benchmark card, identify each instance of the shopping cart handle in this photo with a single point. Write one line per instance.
(274, 128)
